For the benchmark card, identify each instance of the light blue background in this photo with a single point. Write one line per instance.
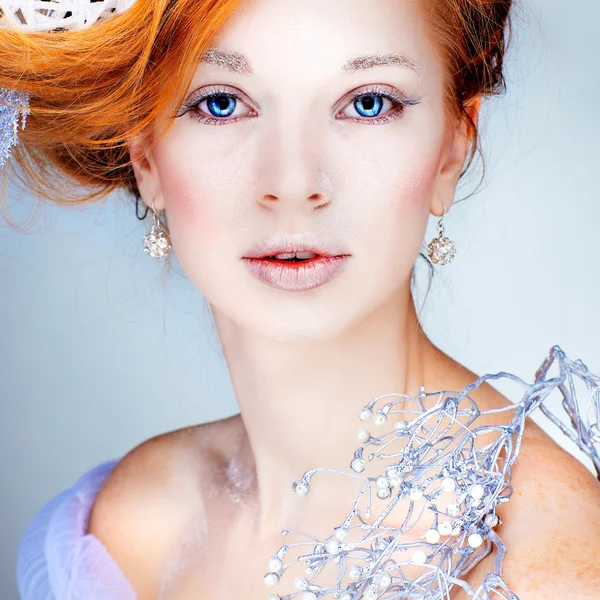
(97, 353)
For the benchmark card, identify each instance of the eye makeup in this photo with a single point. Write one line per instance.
(400, 102)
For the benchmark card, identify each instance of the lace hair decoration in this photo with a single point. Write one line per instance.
(36, 16)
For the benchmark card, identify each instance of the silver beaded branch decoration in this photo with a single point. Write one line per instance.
(446, 479)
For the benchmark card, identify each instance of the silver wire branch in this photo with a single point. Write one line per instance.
(14, 108)
(434, 463)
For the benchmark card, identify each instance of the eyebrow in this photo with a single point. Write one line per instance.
(238, 63)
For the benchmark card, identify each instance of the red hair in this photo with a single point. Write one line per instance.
(93, 89)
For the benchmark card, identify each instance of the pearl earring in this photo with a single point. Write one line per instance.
(157, 243)
(441, 250)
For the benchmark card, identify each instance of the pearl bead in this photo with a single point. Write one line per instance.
(445, 528)
(358, 465)
(301, 488)
(456, 529)
(275, 597)
(300, 583)
(419, 557)
(385, 581)
(380, 419)
(415, 494)
(400, 425)
(392, 472)
(354, 573)
(271, 579)
(453, 509)
(475, 540)
(371, 594)
(309, 596)
(491, 520)
(341, 534)
(332, 547)
(275, 564)
(448, 484)
(363, 435)
(477, 491)
(346, 596)
(365, 414)
(383, 493)
(382, 482)
(432, 536)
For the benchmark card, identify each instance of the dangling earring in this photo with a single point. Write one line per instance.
(156, 243)
(441, 250)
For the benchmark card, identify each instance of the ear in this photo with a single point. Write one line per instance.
(146, 174)
(453, 160)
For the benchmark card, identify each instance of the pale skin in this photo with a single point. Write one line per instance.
(197, 512)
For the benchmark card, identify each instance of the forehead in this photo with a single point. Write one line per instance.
(265, 37)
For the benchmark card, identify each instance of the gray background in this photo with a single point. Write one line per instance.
(99, 353)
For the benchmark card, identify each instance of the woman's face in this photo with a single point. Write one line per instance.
(297, 143)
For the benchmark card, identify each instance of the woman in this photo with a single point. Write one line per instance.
(339, 131)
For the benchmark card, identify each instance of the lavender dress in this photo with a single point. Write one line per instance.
(57, 560)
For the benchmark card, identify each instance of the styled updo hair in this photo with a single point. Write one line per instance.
(93, 89)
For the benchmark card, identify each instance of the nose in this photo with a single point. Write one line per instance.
(293, 178)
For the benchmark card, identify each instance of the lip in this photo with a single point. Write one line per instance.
(289, 243)
(296, 276)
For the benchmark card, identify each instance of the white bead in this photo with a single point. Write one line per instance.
(365, 414)
(491, 520)
(383, 493)
(432, 536)
(300, 583)
(358, 465)
(477, 491)
(275, 597)
(309, 596)
(395, 481)
(453, 509)
(332, 547)
(392, 472)
(275, 564)
(385, 581)
(475, 540)
(354, 573)
(448, 484)
(415, 494)
(271, 579)
(301, 488)
(363, 435)
(346, 596)
(341, 534)
(400, 425)
(382, 482)
(476, 501)
(456, 529)
(445, 528)
(380, 419)
(371, 594)
(419, 557)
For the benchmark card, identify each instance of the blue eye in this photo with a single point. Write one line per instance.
(221, 105)
(371, 104)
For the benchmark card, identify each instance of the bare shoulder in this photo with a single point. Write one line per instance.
(150, 496)
(551, 525)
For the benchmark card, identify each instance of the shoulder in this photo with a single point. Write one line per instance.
(552, 524)
(146, 502)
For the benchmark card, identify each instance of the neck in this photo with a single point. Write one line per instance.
(300, 402)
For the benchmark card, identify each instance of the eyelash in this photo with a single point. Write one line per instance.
(375, 90)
